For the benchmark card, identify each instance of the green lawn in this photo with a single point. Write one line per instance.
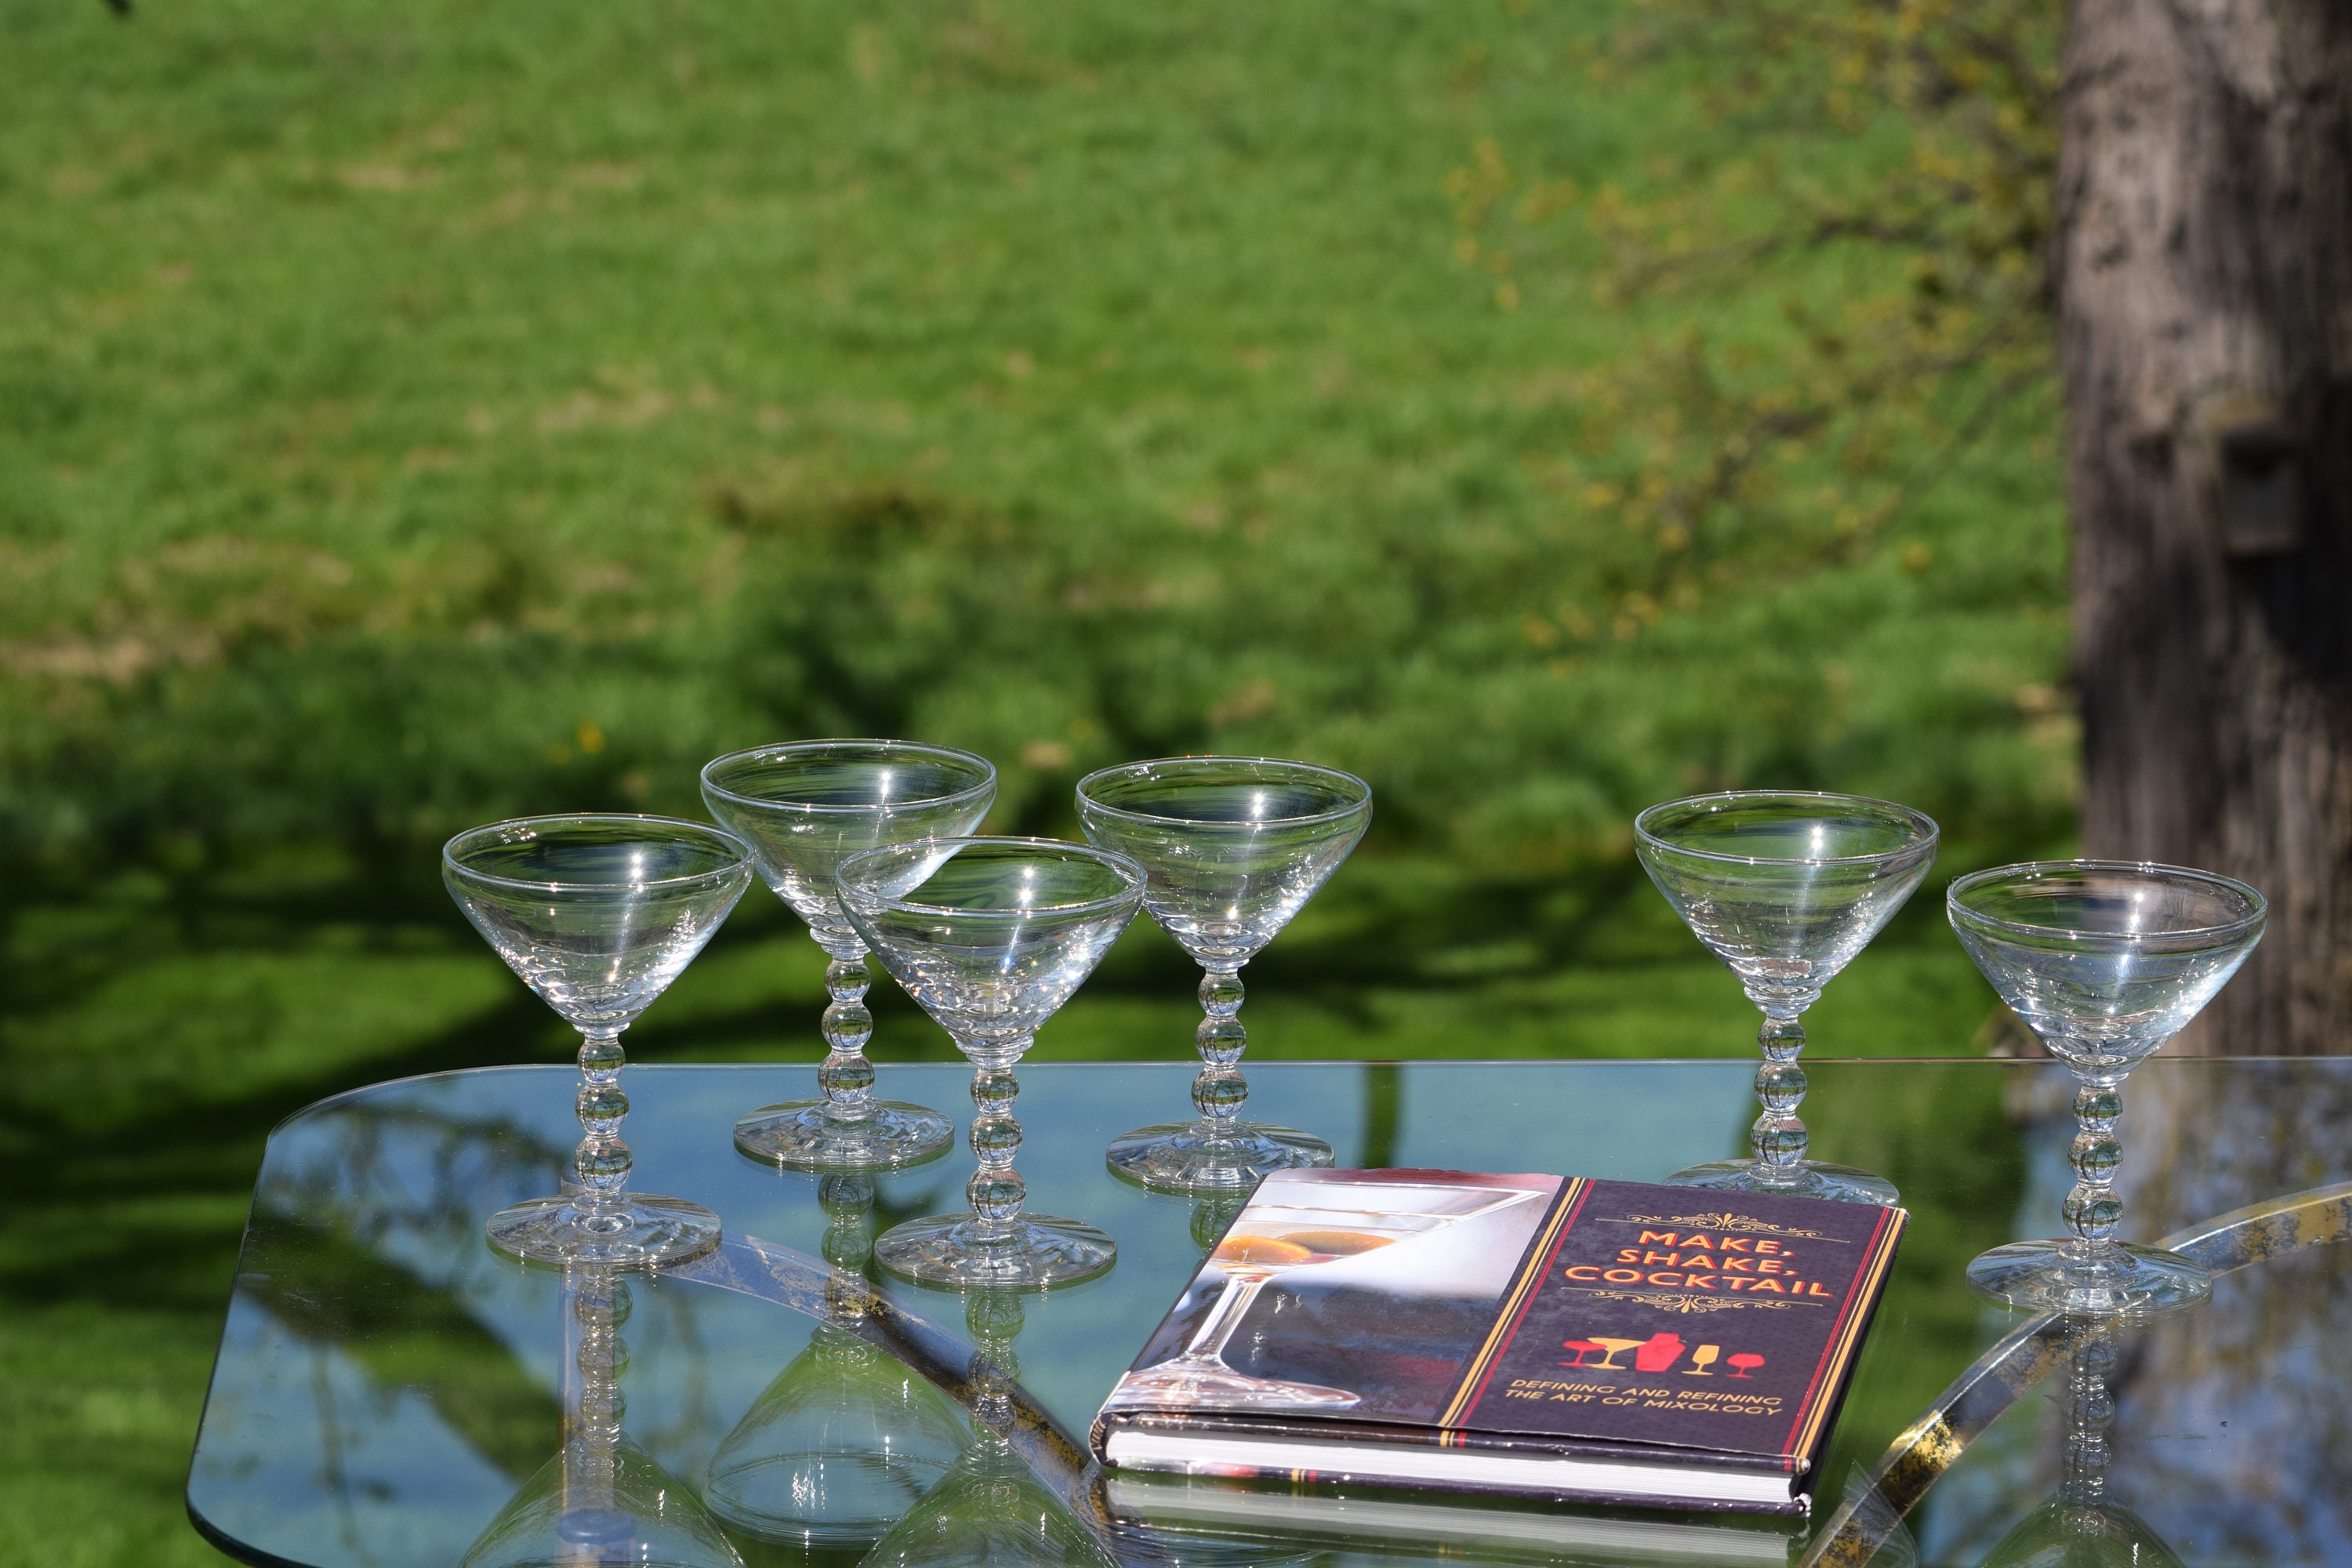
(414, 415)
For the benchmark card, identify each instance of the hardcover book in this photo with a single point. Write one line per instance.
(1604, 1341)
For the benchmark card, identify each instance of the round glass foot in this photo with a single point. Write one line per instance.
(1808, 1179)
(941, 1249)
(799, 1136)
(639, 1232)
(1174, 1157)
(2048, 1277)
(1183, 1383)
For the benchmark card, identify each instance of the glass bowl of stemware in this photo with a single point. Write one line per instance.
(805, 808)
(991, 936)
(1233, 847)
(2105, 961)
(598, 914)
(1786, 887)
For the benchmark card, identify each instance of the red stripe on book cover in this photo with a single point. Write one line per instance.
(1861, 1290)
(1524, 1291)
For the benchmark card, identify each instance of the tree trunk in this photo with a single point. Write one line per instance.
(2204, 277)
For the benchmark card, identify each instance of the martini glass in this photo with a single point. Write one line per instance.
(603, 1501)
(804, 809)
(991, 936)
(2105, 961)
(1312, 1224)
(1786, 888)
(598, 915)
(1233, 846)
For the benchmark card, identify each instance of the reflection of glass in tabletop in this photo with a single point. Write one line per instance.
(2079, 1526)
(1328, 1222)
(844, 1440)
(603, 1501)
(991, 1510)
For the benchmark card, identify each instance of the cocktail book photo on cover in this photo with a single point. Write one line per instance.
(1611, 1342)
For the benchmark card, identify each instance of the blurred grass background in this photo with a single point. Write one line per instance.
(415, 415)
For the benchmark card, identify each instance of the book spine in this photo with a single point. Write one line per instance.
(1827, 1392)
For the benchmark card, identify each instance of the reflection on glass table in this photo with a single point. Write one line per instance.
(387, 1385)
(2080, 1526)
(603, 1498)
(848, 1437)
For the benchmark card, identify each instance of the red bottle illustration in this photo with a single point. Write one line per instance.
(1663, 1351)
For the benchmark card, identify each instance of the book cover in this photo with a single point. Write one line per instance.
(1663, 1340)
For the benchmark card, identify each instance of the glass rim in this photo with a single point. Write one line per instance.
(1302, 820)
(1125, 867)
(1911, 815)
(450, 862)
(877, 747)
(2033, 870)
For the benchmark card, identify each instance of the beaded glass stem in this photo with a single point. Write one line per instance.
(2103, 960)
(991, 936)
(598, 915)
(600, 1310)
(805, 808)
(1233, 847)
(1785, 889)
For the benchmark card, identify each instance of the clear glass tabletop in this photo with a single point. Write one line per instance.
(386, 1385)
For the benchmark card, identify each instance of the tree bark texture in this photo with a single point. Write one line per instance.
(2203, 268)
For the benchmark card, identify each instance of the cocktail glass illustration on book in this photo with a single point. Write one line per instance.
(1315, 1223)
(598, 915)
(1233, 846)
(805, 808)
(1786, 888)
(2105, 961)
(991, 936)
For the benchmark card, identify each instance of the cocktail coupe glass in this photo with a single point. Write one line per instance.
(1327, 1222)
(598, 915)
(1233, 846)
(846, 1439)
(991, 936)
(2105, 961)
(603, 1501)
(805, 808)
(1786, 888)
